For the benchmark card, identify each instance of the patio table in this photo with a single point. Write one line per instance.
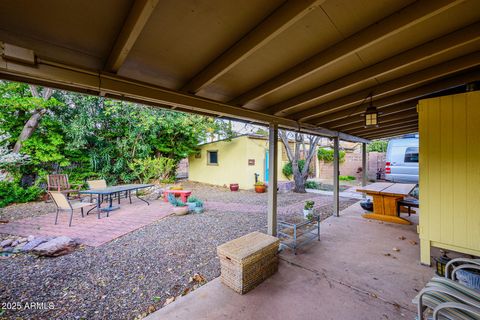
(385, 196)
(110, 191)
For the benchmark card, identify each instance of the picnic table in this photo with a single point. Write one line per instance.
(184, 194)
(385, 196)
(109, 192)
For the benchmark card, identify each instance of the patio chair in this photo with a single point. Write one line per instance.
(449, 299)
(63, 204)
(101, 184)
(60, 183)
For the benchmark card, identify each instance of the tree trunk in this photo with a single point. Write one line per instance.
(299, 182)
(34, 120)
(28, 129)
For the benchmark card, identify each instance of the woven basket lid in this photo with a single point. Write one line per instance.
(243, 247)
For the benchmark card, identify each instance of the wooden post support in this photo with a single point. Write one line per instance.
(336, 174)
(364, 167)
(272, 178)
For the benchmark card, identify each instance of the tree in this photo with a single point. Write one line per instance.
(89, 137)
(377, 146)
(29, 104)
(300, 175)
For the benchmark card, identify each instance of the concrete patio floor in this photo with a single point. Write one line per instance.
(352, 273)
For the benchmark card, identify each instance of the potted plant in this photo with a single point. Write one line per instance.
(181, 208)
(192, 203)
(199, 206)
(234, 186)
(308, 208)
(260, 187)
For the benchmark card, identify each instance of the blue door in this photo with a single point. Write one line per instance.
(266, 166)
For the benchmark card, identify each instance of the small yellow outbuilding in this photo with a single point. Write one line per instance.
(234, 161)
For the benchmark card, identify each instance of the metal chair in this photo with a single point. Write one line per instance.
(63, 204)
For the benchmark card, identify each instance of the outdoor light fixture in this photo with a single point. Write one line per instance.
(440, 263)
(371, 115)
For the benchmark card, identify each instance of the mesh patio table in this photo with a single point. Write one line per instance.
(109, 192)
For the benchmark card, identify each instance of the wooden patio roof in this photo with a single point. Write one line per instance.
(303, 64)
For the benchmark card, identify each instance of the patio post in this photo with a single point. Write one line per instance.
(364, 167)
(272, 178)
(336, 174)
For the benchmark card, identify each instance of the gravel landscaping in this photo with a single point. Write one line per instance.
(134, 275)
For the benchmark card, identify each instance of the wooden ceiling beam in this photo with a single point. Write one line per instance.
(407, 58)
(133, 26)
(395, 124)
(382, 120)
(376, 32)
(359, 119)
(395, 85)
(57, 75)
(351, 116)
(417, 93)
(281, 19)
(347, 114)
(385, 133)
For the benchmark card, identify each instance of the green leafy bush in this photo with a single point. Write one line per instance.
(288, 171)
(347, 178)
(149, 169)
(326, 155)
(311, 185)
(377, 146)
(11, 192)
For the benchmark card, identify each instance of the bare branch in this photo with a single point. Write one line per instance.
(34, 91)
(47, 93)
(284, 137)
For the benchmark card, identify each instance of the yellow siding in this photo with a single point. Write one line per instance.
(233, 165)
(450, 173)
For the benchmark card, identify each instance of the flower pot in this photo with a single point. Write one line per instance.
(233, 186)
(191, 205)
(180, 211)
(198, 209)
(307, 212)
(260, 189)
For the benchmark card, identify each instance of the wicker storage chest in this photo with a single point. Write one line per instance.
(247, 261)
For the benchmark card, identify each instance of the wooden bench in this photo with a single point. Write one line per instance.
(184, 194)
(409, 203)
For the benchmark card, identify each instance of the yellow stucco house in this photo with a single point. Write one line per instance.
(234, 161)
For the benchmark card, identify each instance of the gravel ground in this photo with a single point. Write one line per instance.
(135, 274)
(25, 210)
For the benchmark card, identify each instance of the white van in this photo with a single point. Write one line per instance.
(402, 160)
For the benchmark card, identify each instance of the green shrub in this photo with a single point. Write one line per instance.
(347, 178)
(377, 146)
(288, 171)
(149, 169)
(311, 185)
(11, 192)
(326, 155)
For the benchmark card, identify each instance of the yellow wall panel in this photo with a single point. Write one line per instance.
(449, 130)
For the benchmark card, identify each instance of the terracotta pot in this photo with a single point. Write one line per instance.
(260, 189)
(234, 187)
(180, 211)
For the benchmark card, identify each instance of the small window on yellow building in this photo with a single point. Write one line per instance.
(212, 158)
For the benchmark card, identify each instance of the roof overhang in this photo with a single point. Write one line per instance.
(306, 65)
